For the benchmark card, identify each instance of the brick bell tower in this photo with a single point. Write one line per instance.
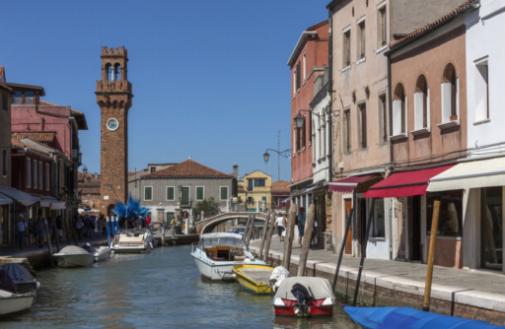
(114, 96)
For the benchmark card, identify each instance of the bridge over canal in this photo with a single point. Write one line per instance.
(211, 223)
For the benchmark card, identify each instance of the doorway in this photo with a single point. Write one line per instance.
(348, 238)
(491, 228)
(414, 232)
(320, 220)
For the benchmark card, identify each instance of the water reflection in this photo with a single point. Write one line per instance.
(158, 290)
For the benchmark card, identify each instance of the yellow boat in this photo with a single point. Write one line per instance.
(254, 278)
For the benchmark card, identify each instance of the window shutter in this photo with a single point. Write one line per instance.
(428, 108)
(457, 97)
(418, 110)
(397, 117)
(446, 101)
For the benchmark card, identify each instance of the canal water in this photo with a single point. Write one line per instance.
(162, 289)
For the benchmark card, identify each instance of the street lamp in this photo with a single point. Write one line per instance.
(280, 153)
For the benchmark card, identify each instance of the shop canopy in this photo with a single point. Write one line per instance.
(472, 174)
(348, 184)
(24, 198)
(405, 183)
(52, 203)
(4, 200)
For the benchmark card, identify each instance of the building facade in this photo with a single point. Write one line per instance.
(280, 195)
(178, 190)
(5, 158)
(255, 191)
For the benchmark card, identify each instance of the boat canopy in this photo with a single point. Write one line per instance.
(221, 239)
(409, 318)
(318, 287)
(16, 278)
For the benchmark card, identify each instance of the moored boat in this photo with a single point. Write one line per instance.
(410, 318)
(133, 241)
(18, 289)
(100, 253)
(302, 296)
(217, 253)
(254, 278)
(73, 256)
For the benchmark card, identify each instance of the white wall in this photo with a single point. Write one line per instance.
(321, 151)
(485, 37)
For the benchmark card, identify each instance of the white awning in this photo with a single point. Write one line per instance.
(4, 200)
(24, 198)
(52, 203)
(472, 174)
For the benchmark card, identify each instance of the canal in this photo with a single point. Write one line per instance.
(162, 289)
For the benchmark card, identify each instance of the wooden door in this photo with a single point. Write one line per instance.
(348, 238)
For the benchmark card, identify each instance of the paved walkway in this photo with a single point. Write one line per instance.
(471, 287)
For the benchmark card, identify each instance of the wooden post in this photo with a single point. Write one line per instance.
(363, 251)
(342, 248)
(307, 237)
(248, 231)
(264, 233)
(431, 255)
(288, 242)
(271, 228)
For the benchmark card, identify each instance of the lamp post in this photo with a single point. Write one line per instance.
(280, 153)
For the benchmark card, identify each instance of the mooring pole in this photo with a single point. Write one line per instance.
(307, 237)
(288, 242)
(363, 251)
(264, 233)
(348, 221)
(248, 230)
(271, 226)
(431, 255)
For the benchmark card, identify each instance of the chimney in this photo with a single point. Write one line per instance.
(235, 171)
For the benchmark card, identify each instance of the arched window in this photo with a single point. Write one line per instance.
(399, 115)
(117, 72)
(110, 72)
(421, 104)
(450, 94)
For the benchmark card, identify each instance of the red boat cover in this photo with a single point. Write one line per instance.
(405, 183)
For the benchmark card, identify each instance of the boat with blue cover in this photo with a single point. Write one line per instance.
(410, 318)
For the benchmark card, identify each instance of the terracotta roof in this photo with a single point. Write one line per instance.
(188, 169)
(280, 187)
(419, 32)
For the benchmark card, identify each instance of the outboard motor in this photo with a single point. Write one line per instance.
(303, 299)
(88, 247)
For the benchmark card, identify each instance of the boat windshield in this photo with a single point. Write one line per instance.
(221, 241)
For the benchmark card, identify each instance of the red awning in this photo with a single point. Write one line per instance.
(405, 183)
(348, 184)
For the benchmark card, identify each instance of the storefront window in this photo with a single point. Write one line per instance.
(378, 227)
(450, 223)
(491, 228)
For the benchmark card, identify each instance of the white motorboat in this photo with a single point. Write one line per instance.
(217, 254)
(134, 241)
(18, 289)
(73, 256)
(100, 254)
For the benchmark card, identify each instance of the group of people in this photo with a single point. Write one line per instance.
(37, 231)
(281, 223)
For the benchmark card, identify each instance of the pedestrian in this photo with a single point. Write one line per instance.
(148, 220)
(59, 227)
(300, 222)
(279, 222)
(78, 227)
(39, 230)
(21, 231)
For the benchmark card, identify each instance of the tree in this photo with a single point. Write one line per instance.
(209, 208)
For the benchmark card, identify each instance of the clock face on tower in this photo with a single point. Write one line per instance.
(112, 124)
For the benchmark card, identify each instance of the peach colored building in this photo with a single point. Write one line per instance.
(307, 61)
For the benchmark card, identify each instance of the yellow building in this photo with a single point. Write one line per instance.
(255, 191)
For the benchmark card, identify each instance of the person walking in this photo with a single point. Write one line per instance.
(300, 222)
(21, 231)
(279, 222)
(78, 227)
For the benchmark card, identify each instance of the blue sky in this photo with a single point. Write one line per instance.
(210, 78)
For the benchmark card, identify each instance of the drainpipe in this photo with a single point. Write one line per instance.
(388, 170)
(330, 81)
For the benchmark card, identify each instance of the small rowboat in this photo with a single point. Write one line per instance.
(254, 278)
(409, 318)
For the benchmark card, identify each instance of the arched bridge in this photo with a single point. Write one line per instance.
(207, 225)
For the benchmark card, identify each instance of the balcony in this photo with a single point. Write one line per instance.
(119, 86)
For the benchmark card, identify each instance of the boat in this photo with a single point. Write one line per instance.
(218, 253)
(254, 278)
(302, 296)
(133, 241)
(409, 318)
(73, 256)
(18, 289)
(100, 254)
